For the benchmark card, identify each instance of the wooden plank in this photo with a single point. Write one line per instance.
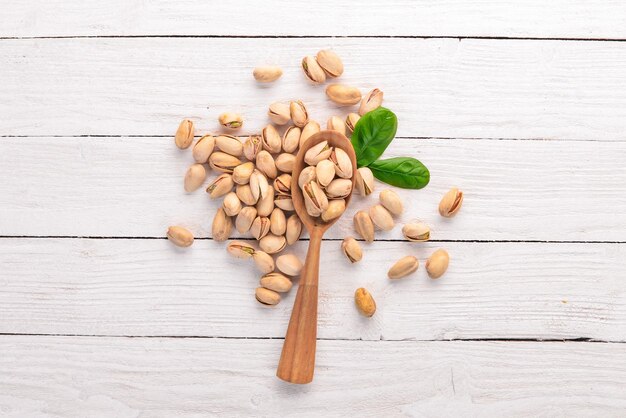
(438, 87)
(514, 190)
(593, 19)
(149, 287)
(73, 376)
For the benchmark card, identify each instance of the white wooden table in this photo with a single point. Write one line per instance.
(521, 106)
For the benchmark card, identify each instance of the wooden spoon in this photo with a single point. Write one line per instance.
(297, 360)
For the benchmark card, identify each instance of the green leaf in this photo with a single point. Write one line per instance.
(405, 172)
(372, 134)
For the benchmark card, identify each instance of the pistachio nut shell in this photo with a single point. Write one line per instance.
(242, 173)
(231, 120)
(403, 267)
(220, 186)
(222, 226)
(226, 163)
(230, 145)
(299, 114)
(309, 130)
(267, 73)
(245, 218)
(284, 202)
(391, 201)
(282, 185)
(278, 222)
(179, 236)
(195, 176)
(307, 175)
(184, 134)
(252, 146)
(364, 226)
(266, 296)
(364, 181)
(312, 70)
(351, 121)
(371, 101)
(437, 263)
(265, 205)
(381, 218)
(334, 210)
(291, 139)
(335, 123)
(271, 139)
(416, 232)
(285, 162)
(231, 204)
(364, 302)
(325, 172)
(315, 200)
(343, 95)
(317, 153)
(260, 227)
(330, 62)
(279, 113)
(352, 249)
(272, 244)
(258, 185)
(289, 264)
(294, 229)
(276, 282)
(339, 188)
(451, 203)
(343, 165)
(203, 148)
(240, 249)
(264, 262)
(266, 165)
(244, 193)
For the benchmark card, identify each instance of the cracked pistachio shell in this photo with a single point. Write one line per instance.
(229, 144)
(351, 121)
(184, 134)
(325, 172)
(271, 139)
(278, 222)
(244, 193)
(242, 173)
(179, 236)
(220, 186)
(260, 227)
(289, 264)
(285, 162)
(223, 162)
(334, 210)
(265, 164)
(240, 249)
(451, 203)
(312, 70)
(266, 296)
(258, 185)
(291, 139)
(342, 163)
(231, 120)
(203, 148)
(282, 184)
(279, 113)
(231, 204)
(339, 188)
(330, 62)
(252, 146)
(403, 267)
(437, 263)
(371, 101)
(284, 202)
(364, 226)
(222, 226)
(263, 261)
(343, 95)
(276, 282)
(307, 175)
(244, 219)
(317, 153)
(352, 249)
(272, 244)
(195, 176)
(335, 123)
(364, 181)
(364, 302)
(315, 200)
(309, 130)
(416, 232)
(265, 205)
(267, 73)
(391, 201)
(294, 229)
(381, 218)
(299, 114)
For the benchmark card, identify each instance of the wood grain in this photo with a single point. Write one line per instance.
(593, 19)
(438, 87)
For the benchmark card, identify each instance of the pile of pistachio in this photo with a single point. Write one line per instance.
(254, 180)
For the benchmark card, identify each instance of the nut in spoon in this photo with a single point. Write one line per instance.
(297, 360)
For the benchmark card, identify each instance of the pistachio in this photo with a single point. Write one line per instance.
(282, 184)
(244, 193)
(180, 236)
(276, 282)
(272, 244)
(220, 186)
(330, 62)
(184, 134)
(339, 188)
(252, 146)
(279, 113)
(391, 201)
(231, 120)
(260, 227)
(284, 162)
(230, 145)
(223, 162)
(291, 139)
(315, 200)
(312, 70)
(240, 249)
(343, 165)
(317, 153)
(265, 164)
(403, 267)
(299, 114)
(309, 130)
(334, 210)
(231, 204)
(335, 123)
(364, 226)
(307, 175)
(195, 176)
(437, 263)
(244, 219)
(364, 302)
(266, 296)
(416, 232)
(325, 172)
(222, 225)
(265, 205)
(278, 222)
(267, 73)
(364, 181)
(351, 121)
(289, 264)
(258, 185)
(263, 261)
(271, 139)
(343, 95)
(371, 101)
(381, 217)
(352, 249)
(294, 229)
(284, 202)
(203, 148)
(242, 173)
(451, 203)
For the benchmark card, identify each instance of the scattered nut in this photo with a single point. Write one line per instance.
(364, 226)
(267, 73)
(195, 176)
(403, 267)
(343, 95)
(240, 249)
(351, 121)
(392, 202)
(437, 263)
(230, 145)
(364, 181)
(330, 63)
(381, 218)
(299, 114)
(291, 139)
(203, 148)
(309, 130)
(284, 162)
(266, 296)
(279, 113)
(231, 120)
(278, 222)
(223, 162)
(180, 236)
(416, 232)
(244, 219)
(272, 244)
(222, 226)
(231, 204)
(371, 101)
(242, 173)
(252, 146)
(294, 229)
(335, 123)
(312, 70)
(289, 264)
(451, 203)
(260, 227)
(364, 302)
(220, 186)
(276, 282)
(271, 139)
(184, 134)
(264, 262)
(352, 249)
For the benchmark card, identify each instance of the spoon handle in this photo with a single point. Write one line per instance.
(297, 360)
